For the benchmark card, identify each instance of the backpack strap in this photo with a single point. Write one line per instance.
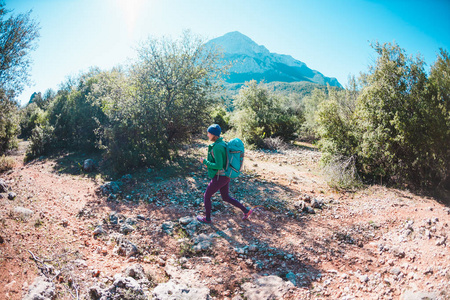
(222, 171)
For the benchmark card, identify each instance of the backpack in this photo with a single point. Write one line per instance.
(235, 158)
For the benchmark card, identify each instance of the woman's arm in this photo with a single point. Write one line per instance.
(218, 157)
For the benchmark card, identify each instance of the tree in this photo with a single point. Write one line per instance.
(261, 114)
(17, 39)
(160, 102)
(176, 78)
(439, 135)
(18, 35)
(9, 123)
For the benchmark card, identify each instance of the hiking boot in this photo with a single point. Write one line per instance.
(247, 215)
(203, 220)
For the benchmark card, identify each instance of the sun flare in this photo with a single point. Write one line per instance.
(131, 10)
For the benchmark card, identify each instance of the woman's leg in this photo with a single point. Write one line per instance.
(213, 187)
(225, 193)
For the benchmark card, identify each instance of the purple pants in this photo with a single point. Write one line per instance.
(221, 183)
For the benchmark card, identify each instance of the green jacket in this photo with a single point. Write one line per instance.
(217, 159)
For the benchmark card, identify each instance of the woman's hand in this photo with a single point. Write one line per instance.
(201, 160)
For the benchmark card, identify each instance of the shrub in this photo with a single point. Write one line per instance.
(397, 127)
(276, 144)
(41, 141)
(260, 114)
(9, 123)
(341, 173)
(155, 108)
(6, 163)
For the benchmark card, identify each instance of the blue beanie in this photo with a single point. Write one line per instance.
(214, 129)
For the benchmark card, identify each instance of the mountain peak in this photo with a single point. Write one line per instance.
(238, 43)
(252, 61)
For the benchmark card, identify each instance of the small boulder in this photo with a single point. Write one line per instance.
(98, 230)
(126, 228)
(88, 165)
(42, 288)
(22, 212)
(167, 227)
(185, 220)
(174, 290)
(12, 195)
(266, 287)
(316, 203)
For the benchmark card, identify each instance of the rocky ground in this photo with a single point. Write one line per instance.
(68, 234)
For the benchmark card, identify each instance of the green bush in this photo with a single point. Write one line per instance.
(30, 117)
(41, 141)
(156, 107)
(220, 116)
(9, 123)
(398, 126)
(261, 114)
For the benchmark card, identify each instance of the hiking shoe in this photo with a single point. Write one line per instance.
(247, 215)
(203, 220)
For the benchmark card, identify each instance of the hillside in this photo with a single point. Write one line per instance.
(252, 61)
(81, 236)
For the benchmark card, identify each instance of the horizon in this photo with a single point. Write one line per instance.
(331, 38)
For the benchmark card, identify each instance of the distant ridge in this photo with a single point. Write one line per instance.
(253, 61)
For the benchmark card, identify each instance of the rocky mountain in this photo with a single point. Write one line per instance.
(252, 61)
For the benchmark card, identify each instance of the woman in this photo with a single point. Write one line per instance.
(216, 163)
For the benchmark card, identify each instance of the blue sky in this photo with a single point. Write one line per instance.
(330, 36)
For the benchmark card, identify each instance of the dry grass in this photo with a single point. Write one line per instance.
(340, 173)
(6, 163)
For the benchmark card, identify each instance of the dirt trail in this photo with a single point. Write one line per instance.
(377, 243)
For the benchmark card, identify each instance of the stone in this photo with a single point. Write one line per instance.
(141, 217)
(3, 186)
(41, 289)
(167, 227)
(173, 290)
(185, 220)
(310, 210)
(192, 228)
(12, 195)
(124, 247)
(88, 165)
(364, 278)
(113, 218)
(130, 221)
(414, 295)
(291, 277)
(125, 228)
(398, 252)
(253, 248)
(126, 178)
(132, 284)
(23, 213)
(98, 230)
(240, 250)
(95, 292)
(266, 287)
(300, 205)
(395, 271)
(316, 203)
(109, 188)
(183, 284)
(202, 243)
(441, 241)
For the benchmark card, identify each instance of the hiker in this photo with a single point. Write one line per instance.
(216, 162)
